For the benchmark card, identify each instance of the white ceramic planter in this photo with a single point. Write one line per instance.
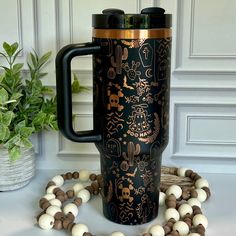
(16, 174)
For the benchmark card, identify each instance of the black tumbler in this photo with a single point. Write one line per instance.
(131, 85)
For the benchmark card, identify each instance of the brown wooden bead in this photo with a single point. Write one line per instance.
(193, 193)
(50, 183)
(63, 176)
(170, 224)
(87, 234)
(197, 176)
(42, 201)
(70, 226)
(75, 175)
(95, 187)
(77, 201)
(188, 221)
(99, 180)
(200, 230)
(171, 204)
(60, 192)
(70, 193)
(172, 220)
(196, 212)
(65, 223)
(163, 189)
(174, 233)
(59, 216)
(185, 195)
(171, 198)
(55, 190)
(93, 177)
(69, 175)
(90, 189)
(146, 234)
(208, 192)
(58, 224)
(196, 208)
(192, 176)
(60, 198)
(70, 216)
(45, 205)
(188, 173)
(167, 229)
(65, 197)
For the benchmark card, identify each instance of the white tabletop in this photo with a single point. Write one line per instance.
(19, 208)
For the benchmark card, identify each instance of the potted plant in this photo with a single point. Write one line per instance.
(26, 107)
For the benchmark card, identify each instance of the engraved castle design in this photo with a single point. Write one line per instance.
(131, 109)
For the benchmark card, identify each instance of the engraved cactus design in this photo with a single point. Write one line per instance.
(132, 151)
(120, 55)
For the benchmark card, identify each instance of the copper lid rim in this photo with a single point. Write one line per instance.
(132, 33)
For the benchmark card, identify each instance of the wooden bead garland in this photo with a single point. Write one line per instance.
(182, 191)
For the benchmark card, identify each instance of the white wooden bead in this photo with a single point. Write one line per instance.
(194, 234)
(77, 187)
(200, 183)
(201, 195)
(175, 190)
(172, 213)
(185, 209)
(49, 196)
(116, 233)
(194, 202)
(79, 230)
(58, 180)
(52, 210)
(200, 219)
(84, 194)
(46, 221)
(182, 171)
(84, 175)
(181, 227)
(51, 188)
(71, 208)
(55, 202)
(162, 198)
(157, 230)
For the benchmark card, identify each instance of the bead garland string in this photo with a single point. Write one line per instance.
(183, 213)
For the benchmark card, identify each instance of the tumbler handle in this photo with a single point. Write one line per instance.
(64, 94)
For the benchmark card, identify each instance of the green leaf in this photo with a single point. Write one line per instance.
(26, 131)
(16, 96)
(7, 118)
(3, 96)
(35, 100)
(41, 75)
(7, 48)
(3, 131)
(44, 59)
(12, 141)
(26, 143)
(20, 125)
(33, 60)
(14, 153)
(2, 77)
(39, 119)
(14, 47)
(17, 68)
(7, 135)
(16, 54)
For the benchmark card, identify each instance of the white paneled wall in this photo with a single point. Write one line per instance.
(203, 94)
